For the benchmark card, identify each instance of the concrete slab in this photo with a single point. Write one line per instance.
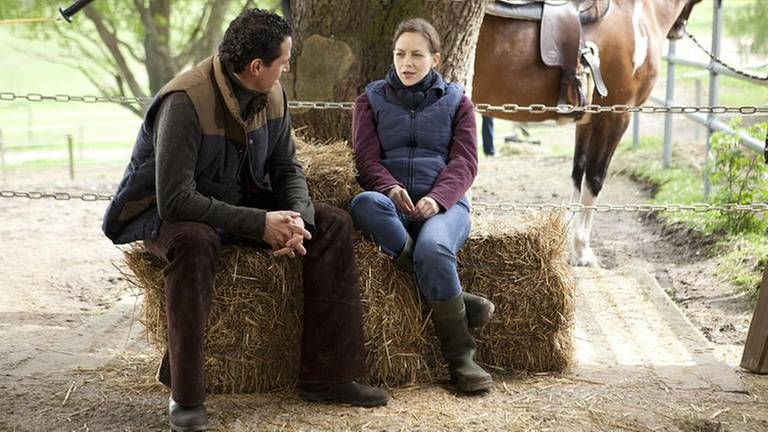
(629, 331)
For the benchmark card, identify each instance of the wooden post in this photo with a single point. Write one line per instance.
(71, 157)
(755, 356)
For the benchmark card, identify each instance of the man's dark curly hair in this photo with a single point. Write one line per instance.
(256, 33)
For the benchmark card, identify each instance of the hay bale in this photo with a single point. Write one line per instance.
(255, 322)
(252, 343)
(330, 171)
(520, 264)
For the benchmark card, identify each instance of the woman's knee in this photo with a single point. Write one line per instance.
(431, 252)
(367, 203)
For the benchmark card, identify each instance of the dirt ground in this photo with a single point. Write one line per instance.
(72, 356)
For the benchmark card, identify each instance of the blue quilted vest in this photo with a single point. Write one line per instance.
(415, 143)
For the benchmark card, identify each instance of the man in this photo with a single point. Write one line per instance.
(214, 162)
(488, 148)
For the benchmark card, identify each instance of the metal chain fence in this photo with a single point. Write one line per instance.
(482, 206)
(635, 208)
(724, 64)
(58, 196)
(481, 107)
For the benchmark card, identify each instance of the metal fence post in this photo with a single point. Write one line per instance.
(697, 87)
(635, 130)
(669, 100)
(70, 147)
(714, 85)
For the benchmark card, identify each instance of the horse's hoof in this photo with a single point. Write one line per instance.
(586, 259)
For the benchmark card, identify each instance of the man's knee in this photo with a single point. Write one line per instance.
(194, 239)
(332, 220)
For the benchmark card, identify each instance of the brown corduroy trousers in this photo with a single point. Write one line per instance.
(332, 342)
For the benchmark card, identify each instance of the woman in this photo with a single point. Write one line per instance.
(415, 142)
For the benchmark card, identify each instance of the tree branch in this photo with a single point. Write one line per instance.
(206, 44)
(105, 90)
(110, 41)
(131, 51)
(103, 61)
(185, 53)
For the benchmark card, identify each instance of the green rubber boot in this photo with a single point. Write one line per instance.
(458, 345)
(404, 261)
(479, 310)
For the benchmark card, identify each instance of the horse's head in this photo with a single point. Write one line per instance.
(678, 28)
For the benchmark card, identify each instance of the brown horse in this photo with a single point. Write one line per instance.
(509, 69)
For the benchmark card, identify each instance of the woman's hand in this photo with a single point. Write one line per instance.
(402, 200)
(425, 208)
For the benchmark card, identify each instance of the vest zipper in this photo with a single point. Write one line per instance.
(242, 152)
(409, 185)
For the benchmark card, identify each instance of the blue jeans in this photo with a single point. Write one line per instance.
(436, 240)
(488, 148)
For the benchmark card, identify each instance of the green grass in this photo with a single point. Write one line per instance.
(31, 128)
(733, 92)
(743, 261)
(31, 66)
(700, 21)
(741, 256)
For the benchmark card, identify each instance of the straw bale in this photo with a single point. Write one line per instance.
(252, 340)
(252, 343)
(520, 264)
(330, 171)
(255, 323)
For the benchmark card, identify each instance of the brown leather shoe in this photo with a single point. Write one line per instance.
(187, 419)
(350, 392)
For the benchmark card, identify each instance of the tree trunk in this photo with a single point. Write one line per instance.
(342, 45)
(157, 38)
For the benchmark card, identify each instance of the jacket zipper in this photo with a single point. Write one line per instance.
(412, 145)
(242, 153)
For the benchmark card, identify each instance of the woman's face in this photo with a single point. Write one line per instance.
(412, 58)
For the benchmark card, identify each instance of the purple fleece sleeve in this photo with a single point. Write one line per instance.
(457, 176)
(371, 174)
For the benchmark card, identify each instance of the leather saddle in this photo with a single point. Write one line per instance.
(561, 42)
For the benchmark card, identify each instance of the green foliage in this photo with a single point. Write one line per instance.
(739, 176)
(748, 23)
(742, 261)
(742, 255)
(129, 48)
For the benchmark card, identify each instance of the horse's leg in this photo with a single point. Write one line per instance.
(603, 135)
(583, 133)
(576, 219)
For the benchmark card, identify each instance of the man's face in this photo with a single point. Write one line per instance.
(265, 77)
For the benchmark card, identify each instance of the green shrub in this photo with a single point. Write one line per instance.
(739, 176)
